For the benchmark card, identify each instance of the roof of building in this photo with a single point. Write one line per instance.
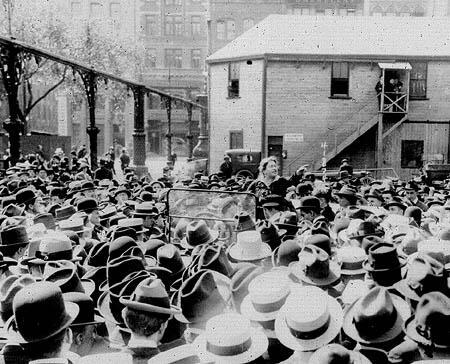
(341, 36)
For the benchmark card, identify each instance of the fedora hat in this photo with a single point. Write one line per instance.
(25, 196)
(315, 268)
(320, 240)
(309, 203)
(6, 262)
(200, 298)
(347, 192)
(425, 274)
(198, 233)
(309, 319)
(107, 212)
(145, 209)
(13, 235)
(365, 228)
(122, 189)
(215, 258)
(169, 257)
(52, 247)
(151, 246)
(39, 313)
(8, 290)
(87, 205)
(135, 223)
(86, 185)
(75, 224)
(64, 275)
(267, 293)
(249, 247)
(120, 245)
(351, 260)
(286, 253)
(337, 354)
(117, 269)
(396, 201)
(270, 234)
(244, 222)
(320, 227)
(376, 317)
(240, 281)
(64, 212)
(47, 219)
(230, 338)
(430, 324)
(98, 255)
(86, 314)
(150, 296)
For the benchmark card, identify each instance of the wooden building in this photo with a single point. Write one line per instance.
(306, 85)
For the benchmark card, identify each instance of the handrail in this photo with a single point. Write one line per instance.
(353, 116)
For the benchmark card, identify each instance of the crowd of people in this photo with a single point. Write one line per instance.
(221, 269)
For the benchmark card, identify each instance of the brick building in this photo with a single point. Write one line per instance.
(293, 83)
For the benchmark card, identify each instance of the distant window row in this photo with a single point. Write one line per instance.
(96, 9)
(393, 11)
(330, 11)
(340, 80)
(173, 58)
(174, 25)
(226, 29)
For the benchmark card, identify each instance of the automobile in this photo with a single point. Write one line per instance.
(245, 162)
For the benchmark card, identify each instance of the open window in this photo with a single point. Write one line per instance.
(339, 79)
(236, 139)
(412, 154)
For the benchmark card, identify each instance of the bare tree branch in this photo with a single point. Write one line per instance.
(46, 93)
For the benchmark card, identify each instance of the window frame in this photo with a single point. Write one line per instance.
(223, 32)
(236, 144)
(414, 145)
(150, 25)
(339, 79)
(175, 55)
(233, 86)
(173, 25)
(197, 30)
(199, 56)
(411, 80)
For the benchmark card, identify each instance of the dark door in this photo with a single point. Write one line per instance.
(275, 149)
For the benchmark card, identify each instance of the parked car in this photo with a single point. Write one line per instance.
(245, 162)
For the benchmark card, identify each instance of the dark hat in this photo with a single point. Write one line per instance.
(215, 258)
(64, 275)
(107, 212)
(121, 245)
(272, 201)
(376, 317)
(65, 212)
(25, 196)
(320, 227)
(122, 189)
(120, 231)
(136, 223)
(6, 261)
(269, 233)
(169, 257)
(98, 255)
(86, 314)
(150, 296)
(118, 268)
(337, 354)
(14, 235)
(415, 213)
(411, 187)
(40, 313)
(425, 274)
(87, 205)
(321, 241)
(47, 219)
(364, 229)
(348, 193)
(240, 281)
(8, 290)
(244, 222)
(151, 246)
(310, 203)
(286, 253)
(315, 268)
(288, 220)
(199, 298)
(86, 186)
(430, 325)
(374, 193)
(198, 233)
(396, 201)
(384, 264)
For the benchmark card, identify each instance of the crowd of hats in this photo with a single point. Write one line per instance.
(348, 271)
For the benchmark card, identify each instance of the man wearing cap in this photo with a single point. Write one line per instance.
(33, 204)
(413, 198)
(309, 208)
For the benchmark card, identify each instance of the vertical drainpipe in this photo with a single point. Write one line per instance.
(263, 111)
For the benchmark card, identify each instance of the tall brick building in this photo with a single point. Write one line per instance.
(296, 82)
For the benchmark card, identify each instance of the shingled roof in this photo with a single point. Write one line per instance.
(376, 37)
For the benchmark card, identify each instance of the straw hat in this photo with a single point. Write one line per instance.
(249, 247)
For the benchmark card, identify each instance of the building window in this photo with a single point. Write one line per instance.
(173, 58)
(75, 8)
(419, 11)
(233, 80)
(196, 25)
(377, 11)
(236, 139)
(196, 57)
(320, 12)
(231, 29)
(351, 12)
(391, 11)
(248, 23)
(114, 10)
(329, 12)
(220, 30)
(172, 2)
(96, 10)
(339, 79)
(412, 154)
(418, 80)
(149, 25)
(174, 25)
